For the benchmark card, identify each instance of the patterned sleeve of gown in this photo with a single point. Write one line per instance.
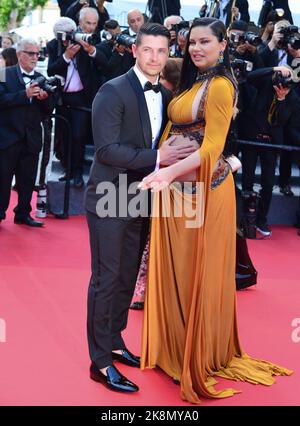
(218, 115)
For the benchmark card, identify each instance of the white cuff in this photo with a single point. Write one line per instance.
(67, 60)
(157, 161)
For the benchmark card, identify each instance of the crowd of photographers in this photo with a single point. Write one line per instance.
(89, 49)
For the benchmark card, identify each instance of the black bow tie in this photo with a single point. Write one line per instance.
(28, 76)
(155, 87)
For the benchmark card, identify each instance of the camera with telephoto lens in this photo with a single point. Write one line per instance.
(49, 85)
(124, 40)
(76, 36)
(241, 68)
(237, 39)
(279, 79)
(289, 34)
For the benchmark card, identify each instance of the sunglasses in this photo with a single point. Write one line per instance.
(31, 54)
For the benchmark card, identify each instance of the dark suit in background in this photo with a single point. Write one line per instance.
(74, 10)
(91, 73)
(64, 5)
(123, 140)
(269, 5)
(20, 140)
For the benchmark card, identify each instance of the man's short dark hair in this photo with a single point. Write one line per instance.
(111, 24)
(152, 29)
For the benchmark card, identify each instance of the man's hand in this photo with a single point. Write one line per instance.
(276, 37)
(100, 4)
(281, 92)
(42, 95)
(87, 47)
(235, 11)
(172, 154)
(33, 91)
(72, 51)
(250, 48)
(285, 71)
(120, 49)
(241, 48)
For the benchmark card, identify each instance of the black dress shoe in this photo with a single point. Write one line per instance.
(27, 220)
(137, 306)
(286, 190)
(127, 358)
(114, 380)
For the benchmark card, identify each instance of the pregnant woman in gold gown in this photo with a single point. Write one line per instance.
(190, 323)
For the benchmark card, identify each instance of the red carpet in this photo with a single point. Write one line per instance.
(44, 277)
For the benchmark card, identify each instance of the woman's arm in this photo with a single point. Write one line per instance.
(218, 116)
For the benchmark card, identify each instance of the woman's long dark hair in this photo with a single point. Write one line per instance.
(189, 70)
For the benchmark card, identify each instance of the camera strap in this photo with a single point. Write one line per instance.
(67, 85)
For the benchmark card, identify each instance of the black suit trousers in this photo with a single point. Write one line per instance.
(19, 161)
(116, 250)
(268, 167)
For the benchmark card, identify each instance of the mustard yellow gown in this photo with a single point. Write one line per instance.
(190, 323)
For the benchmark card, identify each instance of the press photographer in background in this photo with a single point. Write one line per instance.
(291, 136)
(117, 48)
(82, 66)
(272, 106)
(73, 12)
(23, 104)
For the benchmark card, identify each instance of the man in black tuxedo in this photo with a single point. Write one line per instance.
(129, 113)
(82, 65)
(22, 106)
(227, 10)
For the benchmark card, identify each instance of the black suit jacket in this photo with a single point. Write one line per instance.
(20, 119)
(91, 70)
(122, 135)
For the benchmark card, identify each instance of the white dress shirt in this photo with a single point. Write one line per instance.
(155, 108)
(27, 80)
(73, 82)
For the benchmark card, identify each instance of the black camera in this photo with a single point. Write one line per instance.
(237, 39)
(241, 68)
(288, 34)
(49, 85)
(183, 25)
(124, 40)
(294, 41)
(76, 36)
(278, 78)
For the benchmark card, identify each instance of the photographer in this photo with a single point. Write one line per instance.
(291, 130)
(275, 52)
(170, 22)
(82, 65)
(23, 103)
(135, 20)
(117, 51)
(74, 10)
(270, 111)
(243, 45)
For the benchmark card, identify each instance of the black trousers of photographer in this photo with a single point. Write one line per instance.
(80, 122)
(267, 158)
(17, 160)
